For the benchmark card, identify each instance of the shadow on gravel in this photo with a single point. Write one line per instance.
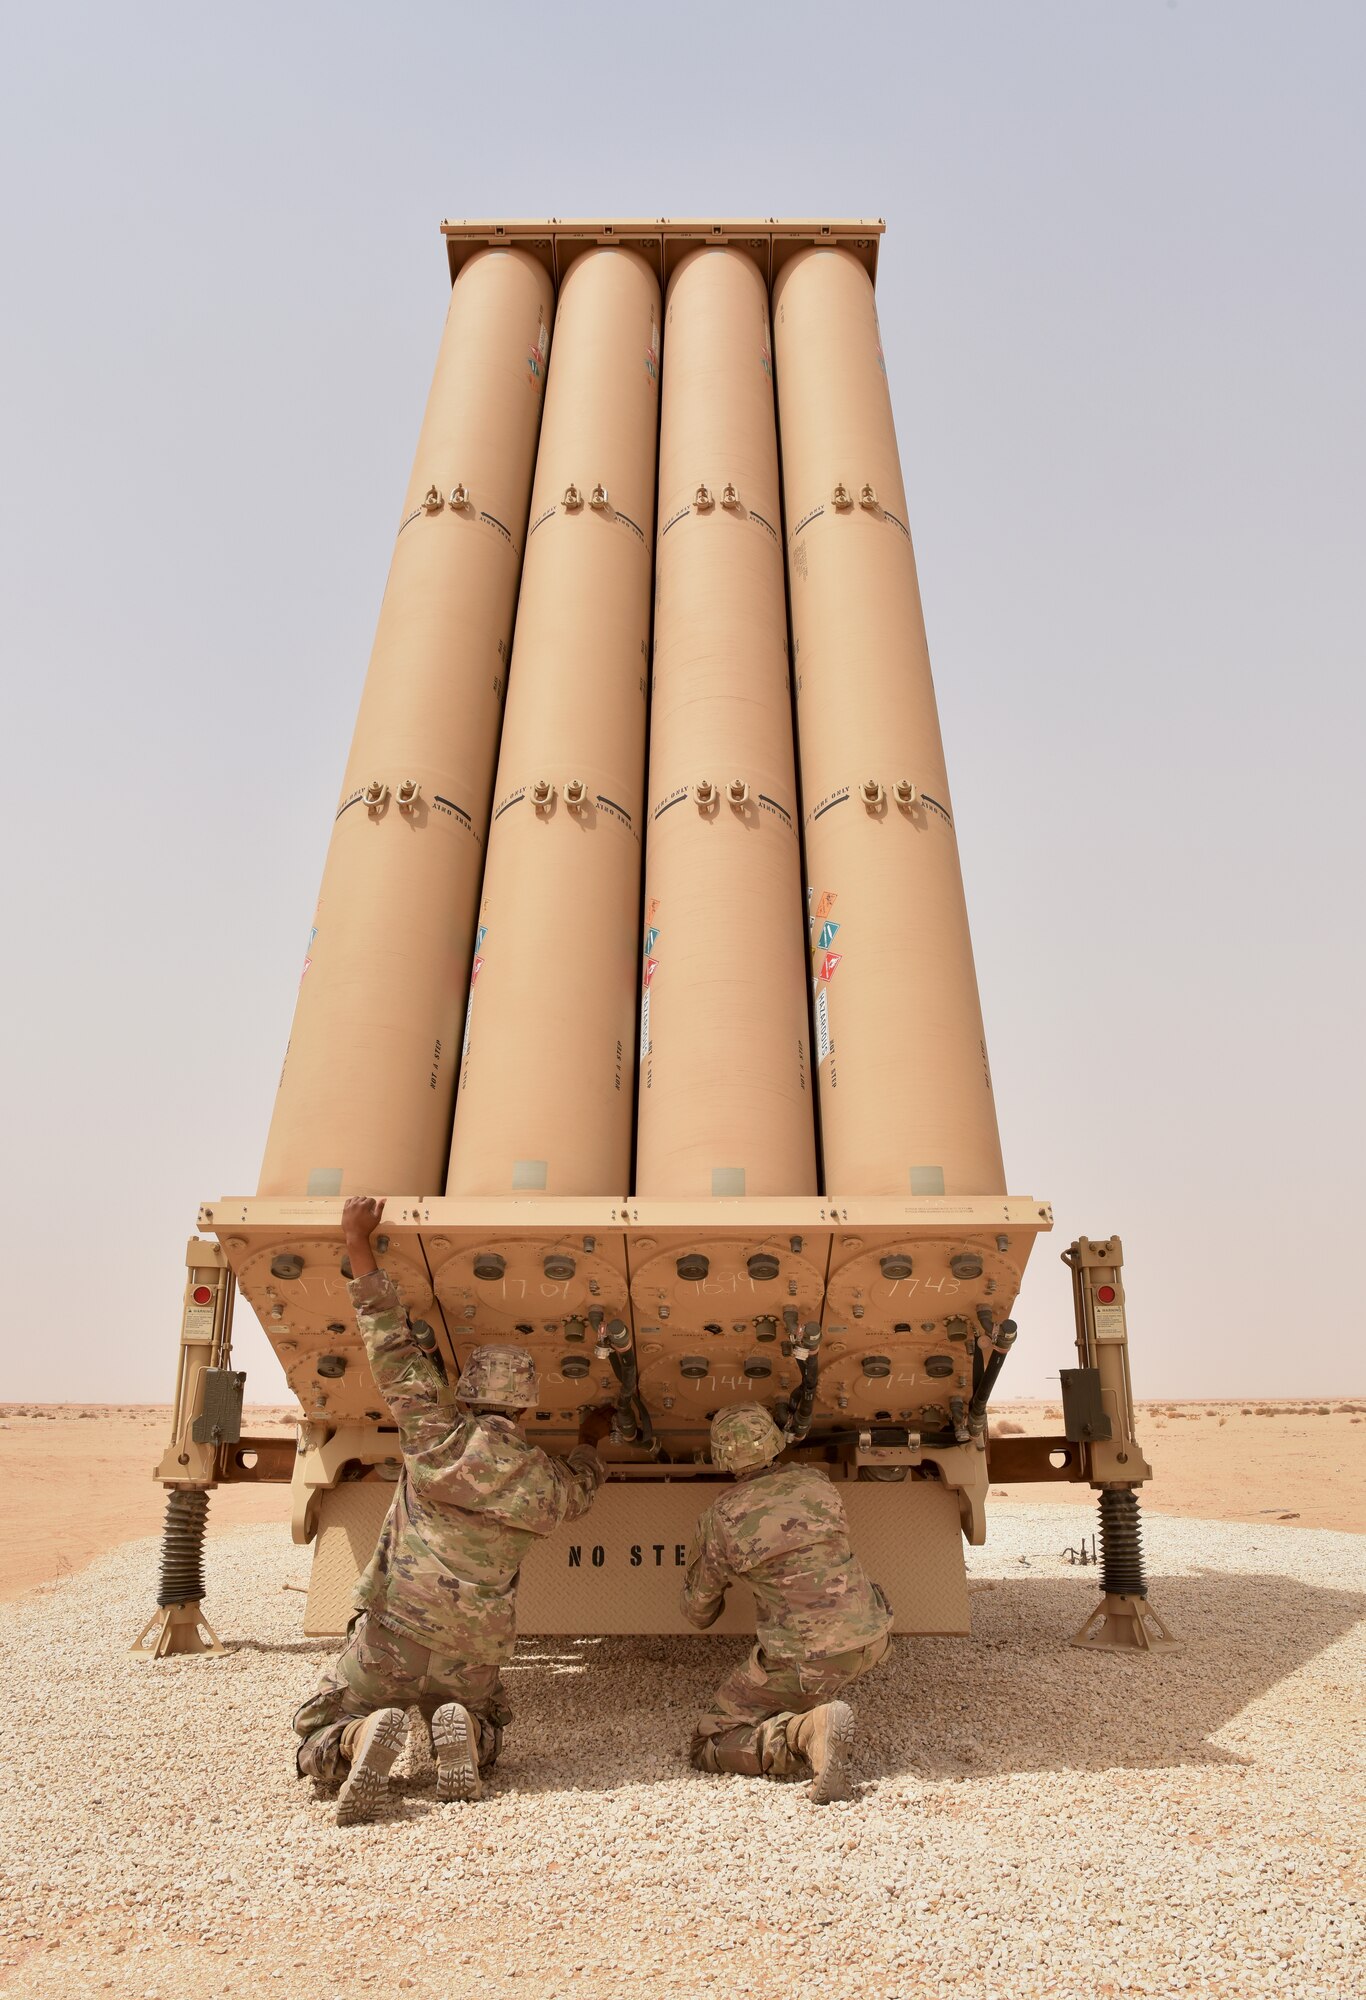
(1015, 1697)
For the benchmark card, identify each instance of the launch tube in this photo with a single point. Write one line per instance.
(906, 1101)
(369, 1077)
(545, 1095)
(725, 1089)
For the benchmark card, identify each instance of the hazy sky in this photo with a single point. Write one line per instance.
(1124, 309)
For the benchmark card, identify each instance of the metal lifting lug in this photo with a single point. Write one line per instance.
(841, 499)
(737, 791)
(573, 499)
(433, 501)
(375, 795)
(702, 499)
(872, 794)
(868, 498)
(576, 795)
(408, 795)
(598, 500)
(905, 793)
(730, 499)
(543, 795)
(460, 497)
(704, 794)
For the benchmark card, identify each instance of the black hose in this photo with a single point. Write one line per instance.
(1004, 1340)
(633, 1419)
(182, 1547)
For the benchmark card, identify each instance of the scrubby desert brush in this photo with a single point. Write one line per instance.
(1006, 1427)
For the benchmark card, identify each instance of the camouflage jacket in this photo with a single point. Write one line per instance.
(473, 1496)
(782, 1532)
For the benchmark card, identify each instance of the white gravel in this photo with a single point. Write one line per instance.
(1033, 1820)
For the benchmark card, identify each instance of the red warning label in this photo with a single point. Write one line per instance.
(829, 961)
(475, 970)
(651, 968)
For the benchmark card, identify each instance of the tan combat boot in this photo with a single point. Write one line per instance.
(372, 1747)
(824, 1736)
(455, 1739)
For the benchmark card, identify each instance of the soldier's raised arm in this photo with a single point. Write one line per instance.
(412, 1383)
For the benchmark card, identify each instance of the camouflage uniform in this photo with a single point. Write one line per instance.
(437, 1604)
(819, 1622)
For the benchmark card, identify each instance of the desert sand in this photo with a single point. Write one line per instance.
(76, 1480)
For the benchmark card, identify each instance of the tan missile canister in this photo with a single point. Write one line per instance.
(369, 1077)
(545, 1097)
(725, 1088)
(905, 1092)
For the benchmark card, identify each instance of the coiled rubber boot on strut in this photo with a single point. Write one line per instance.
(1123, 1621)
(180, 1625)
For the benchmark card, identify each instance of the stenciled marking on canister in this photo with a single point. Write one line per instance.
(824, 1045)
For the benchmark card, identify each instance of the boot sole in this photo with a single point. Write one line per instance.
(457, 1761)
(367, 1782)
(831, 1782)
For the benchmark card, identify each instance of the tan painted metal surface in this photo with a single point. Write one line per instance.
(621, 1568)
(905, 1090)
(725, 1089)
(545, 1098)
(365, 1095)
(714, 1294)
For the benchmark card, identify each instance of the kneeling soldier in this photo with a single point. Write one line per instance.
(819, 1622)
(436, 1609)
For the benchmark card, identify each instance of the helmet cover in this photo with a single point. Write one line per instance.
(503, 1376)
(744, 1437)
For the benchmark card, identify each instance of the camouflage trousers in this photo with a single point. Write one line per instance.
(380, 1667)
(746, 1727)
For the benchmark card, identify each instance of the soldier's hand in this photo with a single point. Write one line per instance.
(361, 1217)
(595, 1424)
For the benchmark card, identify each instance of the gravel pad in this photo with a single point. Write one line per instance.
(1032, 1819)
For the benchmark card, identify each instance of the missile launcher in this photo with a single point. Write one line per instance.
(640, 982)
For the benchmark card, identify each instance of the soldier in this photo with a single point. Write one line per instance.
(819, 1622)
(436, 1609)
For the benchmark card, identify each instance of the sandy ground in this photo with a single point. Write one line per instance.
(1248, 1461)
(1031, 1819)
(76, 1480)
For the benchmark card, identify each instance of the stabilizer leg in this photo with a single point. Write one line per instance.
(1123, 1621)
(179, 1626)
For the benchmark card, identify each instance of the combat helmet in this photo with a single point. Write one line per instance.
(744, 1437)
(502, 1376)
